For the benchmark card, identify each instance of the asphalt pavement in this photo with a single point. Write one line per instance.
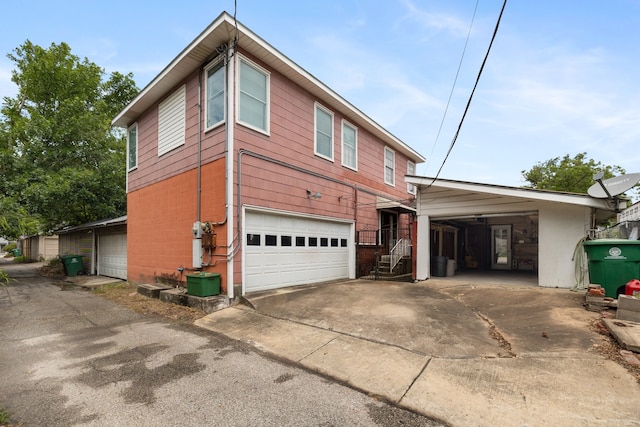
(71, 358)
(465, 352)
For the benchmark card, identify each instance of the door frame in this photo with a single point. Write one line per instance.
(499, 262)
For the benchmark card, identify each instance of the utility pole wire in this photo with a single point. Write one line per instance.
(455, 137)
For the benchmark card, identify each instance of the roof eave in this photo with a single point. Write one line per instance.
(222, 30)
(520, 192)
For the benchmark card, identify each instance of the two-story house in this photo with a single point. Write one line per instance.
(242, 163)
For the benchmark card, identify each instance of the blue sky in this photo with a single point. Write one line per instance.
(562, 78)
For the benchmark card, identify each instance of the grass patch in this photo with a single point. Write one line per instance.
(126, 294)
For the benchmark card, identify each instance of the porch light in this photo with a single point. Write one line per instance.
(312, 195)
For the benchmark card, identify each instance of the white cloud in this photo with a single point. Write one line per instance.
(435, 21)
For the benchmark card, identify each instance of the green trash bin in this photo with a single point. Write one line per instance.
(17, 252)
(72, 264)
(203, 284)
(613, 263)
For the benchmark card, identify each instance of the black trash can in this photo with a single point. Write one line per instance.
(439, 266)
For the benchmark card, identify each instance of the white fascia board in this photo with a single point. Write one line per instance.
(524, 193)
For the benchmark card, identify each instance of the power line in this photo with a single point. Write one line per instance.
(464, 114)
(455, 80)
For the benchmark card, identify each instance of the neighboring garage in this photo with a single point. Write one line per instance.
(102, 244)
(490, 227)
(285, 249)
(112, 255)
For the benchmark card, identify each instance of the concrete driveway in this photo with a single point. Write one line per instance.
(71, 358)
(468, 353)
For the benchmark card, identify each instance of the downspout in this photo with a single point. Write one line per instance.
(199, 175)
(229, 142)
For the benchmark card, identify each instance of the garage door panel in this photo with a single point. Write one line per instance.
(112, 255)
(271, 267)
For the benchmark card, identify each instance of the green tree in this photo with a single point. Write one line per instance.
(569, 174)
(66, 161)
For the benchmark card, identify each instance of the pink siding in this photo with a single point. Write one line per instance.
(264, 183)
(152, 168)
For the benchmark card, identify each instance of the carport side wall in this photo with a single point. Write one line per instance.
(560, 228)
(159, 222)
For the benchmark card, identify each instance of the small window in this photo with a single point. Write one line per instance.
(411, 170)
(253, 103)
(349, 146)
(389, 166)
(215, 103)
(324, 242)
(299, 240)
(313, 241)
(132, 147)
(334, 243)
(271, 240)
(343, 243)
(285, 240)
(324, 133)
(253, 240)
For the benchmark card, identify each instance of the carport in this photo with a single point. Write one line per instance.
(490, 228)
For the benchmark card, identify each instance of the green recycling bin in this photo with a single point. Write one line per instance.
(613, 263)
(72, 264)
(203, 284)
(17, 252)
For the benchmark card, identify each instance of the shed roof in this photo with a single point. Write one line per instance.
(112, 222)
(449, 188)
(221, 31)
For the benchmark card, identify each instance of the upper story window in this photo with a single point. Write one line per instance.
(349, 146)
(171, 121)
(215, 105)
(389, 166)
(253, 102)
(411, 170)
(324, 133)
(132, 147)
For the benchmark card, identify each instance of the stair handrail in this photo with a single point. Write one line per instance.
(401, 249)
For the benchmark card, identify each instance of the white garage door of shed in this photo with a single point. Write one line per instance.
(284, 250)
(112, 255)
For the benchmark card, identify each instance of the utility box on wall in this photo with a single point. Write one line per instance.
(203, 284)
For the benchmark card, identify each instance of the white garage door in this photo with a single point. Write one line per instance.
(112, 255)
(283, 250)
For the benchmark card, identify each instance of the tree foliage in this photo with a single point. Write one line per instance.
(568, 174)
(64, 162)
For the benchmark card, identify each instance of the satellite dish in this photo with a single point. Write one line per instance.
(612, 187)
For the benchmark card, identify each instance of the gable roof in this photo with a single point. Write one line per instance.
(222, 30)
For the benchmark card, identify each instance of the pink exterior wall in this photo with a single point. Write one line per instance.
(152, 168)
(264, 183)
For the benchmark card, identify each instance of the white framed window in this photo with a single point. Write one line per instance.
(253, 96)
(132, 147)
(389, 166)
(171, 122)
(349, 146)
(215, 101)
(411, 170)
(324, 132)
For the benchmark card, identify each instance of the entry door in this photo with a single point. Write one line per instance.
(388, 229)
(501, 247)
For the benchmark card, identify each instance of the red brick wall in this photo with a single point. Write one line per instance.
(160, 217)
